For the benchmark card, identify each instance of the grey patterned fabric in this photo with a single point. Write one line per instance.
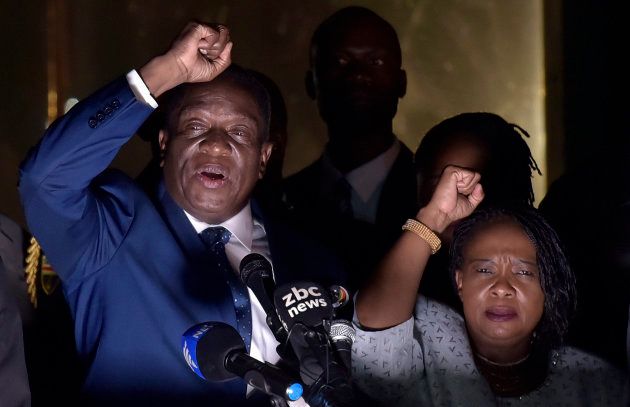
(427, 361)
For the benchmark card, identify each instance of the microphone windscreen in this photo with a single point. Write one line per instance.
(206, 347)
(341, 330)
(254, 263)
(304, 302)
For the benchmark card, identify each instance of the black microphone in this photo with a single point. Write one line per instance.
(216, 352)
(306, 309)
(256, 273)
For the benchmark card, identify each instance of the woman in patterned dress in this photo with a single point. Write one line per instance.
(517, 293)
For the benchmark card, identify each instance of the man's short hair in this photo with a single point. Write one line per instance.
(343, 17)
(170, 102)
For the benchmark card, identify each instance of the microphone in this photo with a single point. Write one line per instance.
(305, 309)
(342, 334)
(256, 273)
(340, 297)
(216, 352)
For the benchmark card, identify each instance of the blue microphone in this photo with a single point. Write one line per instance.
(216, 352)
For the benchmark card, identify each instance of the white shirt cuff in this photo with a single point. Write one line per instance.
(139, 89)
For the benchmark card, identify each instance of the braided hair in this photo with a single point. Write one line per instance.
(556, 277)
(509, 164)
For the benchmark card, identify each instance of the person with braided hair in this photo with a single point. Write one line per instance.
(518, 293)
(483, 142)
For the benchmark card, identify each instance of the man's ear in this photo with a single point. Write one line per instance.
(458, 281)
(265, 153)
(163, 142)
(402, 83)
(309, 83)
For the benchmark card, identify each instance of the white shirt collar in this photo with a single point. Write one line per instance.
(240, 225)
(248, 235)
(366, 178)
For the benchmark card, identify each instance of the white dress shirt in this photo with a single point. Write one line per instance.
(367, 181)
(248, 235)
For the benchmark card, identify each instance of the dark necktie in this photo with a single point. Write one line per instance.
(342, 192)
(215, 239)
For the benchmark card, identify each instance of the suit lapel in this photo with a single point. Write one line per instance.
(180, 226)
(202, 282)
(398, 199)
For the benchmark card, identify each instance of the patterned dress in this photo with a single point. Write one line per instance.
(427, 361)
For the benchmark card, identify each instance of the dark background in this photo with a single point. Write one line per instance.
(550, 66)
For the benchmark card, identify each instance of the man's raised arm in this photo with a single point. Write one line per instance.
(58, 179)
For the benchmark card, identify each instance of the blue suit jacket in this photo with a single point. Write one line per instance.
(135, 272)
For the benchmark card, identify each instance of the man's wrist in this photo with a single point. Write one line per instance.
(139, 89)
(161, 74)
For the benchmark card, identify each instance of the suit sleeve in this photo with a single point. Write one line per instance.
(79, 215)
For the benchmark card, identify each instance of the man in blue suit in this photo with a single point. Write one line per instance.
(136, 273)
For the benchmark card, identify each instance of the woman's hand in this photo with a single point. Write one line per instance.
(456, 195)
(390, 295)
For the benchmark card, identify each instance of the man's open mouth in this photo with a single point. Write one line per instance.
(212, 175)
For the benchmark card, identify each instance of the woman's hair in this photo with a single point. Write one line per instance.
(507, 171)
(556, 278)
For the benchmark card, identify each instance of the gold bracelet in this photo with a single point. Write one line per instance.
(424, 232)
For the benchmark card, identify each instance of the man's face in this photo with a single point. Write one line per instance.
(499, 285)
(357, 73)
(214, 151)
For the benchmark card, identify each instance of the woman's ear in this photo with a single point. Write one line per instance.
(458, 281)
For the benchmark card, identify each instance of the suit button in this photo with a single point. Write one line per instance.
(115, 104)
(100, 116)
(92, 122)
(108, 110)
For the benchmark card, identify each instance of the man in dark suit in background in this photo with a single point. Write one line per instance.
(141, 265)
(14, 389)
(358, 194)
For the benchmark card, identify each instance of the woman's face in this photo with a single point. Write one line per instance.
(499, 285)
